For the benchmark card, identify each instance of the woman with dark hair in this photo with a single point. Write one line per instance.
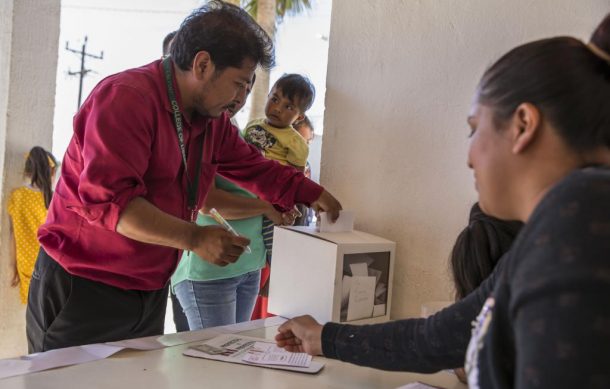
(478, 249)
(27, 210)
(540, 151)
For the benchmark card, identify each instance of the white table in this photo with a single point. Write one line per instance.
(168, 368)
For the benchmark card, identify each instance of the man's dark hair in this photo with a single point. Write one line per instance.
(167, 41)
(227, 33)
(297, 89)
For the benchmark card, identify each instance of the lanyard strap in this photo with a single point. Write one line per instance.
(191, 187)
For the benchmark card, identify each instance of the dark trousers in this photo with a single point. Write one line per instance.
(65, 310)
(180, 320)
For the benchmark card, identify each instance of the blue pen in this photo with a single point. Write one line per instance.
(221, 220)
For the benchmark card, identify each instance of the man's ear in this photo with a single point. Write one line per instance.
(525, 126)
(203, 66)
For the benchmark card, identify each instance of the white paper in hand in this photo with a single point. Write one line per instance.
(345, 222)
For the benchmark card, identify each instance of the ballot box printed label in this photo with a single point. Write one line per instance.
(334, 276)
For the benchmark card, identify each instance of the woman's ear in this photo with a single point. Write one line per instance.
(525, 126)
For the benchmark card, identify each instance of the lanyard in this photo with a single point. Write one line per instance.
(191, 187)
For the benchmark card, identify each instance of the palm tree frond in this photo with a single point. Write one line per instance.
(291, 7)
(282, 7)
(251, 8)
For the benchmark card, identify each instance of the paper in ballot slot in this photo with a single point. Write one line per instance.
(345, 222)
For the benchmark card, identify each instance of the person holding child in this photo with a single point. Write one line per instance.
(212, 295)
(27, 210)
(147, 145)
(540, 152)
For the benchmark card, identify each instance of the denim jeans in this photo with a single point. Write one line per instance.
(218, 302)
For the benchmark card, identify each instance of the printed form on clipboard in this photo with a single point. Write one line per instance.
(250, 351)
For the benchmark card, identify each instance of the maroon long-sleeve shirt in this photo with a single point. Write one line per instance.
(124, 146)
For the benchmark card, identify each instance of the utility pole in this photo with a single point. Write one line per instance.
(83, 72)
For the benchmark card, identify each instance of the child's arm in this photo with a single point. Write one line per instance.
(233, 206)
(13, 254)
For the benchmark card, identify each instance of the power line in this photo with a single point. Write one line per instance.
(82, 72)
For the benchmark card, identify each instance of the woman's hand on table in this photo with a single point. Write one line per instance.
(301, 334)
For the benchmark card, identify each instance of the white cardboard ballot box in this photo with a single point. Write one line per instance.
(345, 277)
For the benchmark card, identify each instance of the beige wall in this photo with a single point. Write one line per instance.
(400, 79)
(29, 36)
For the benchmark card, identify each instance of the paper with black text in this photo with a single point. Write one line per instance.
(235, 348)
(265, 353)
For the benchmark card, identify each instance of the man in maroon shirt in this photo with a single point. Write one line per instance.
(147, 143)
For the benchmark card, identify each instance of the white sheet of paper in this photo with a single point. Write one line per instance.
(359, 269)
(264, 353)
(417, 385)
(380, 289)
(80, 354)
(145, 344)
(252, 325)
(55, 358)
(361, 298)
(375, 273)
(345, 222)
(378, 310)
(233, 348)
(13, 367)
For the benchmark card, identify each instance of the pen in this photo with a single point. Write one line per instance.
(221, 220)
